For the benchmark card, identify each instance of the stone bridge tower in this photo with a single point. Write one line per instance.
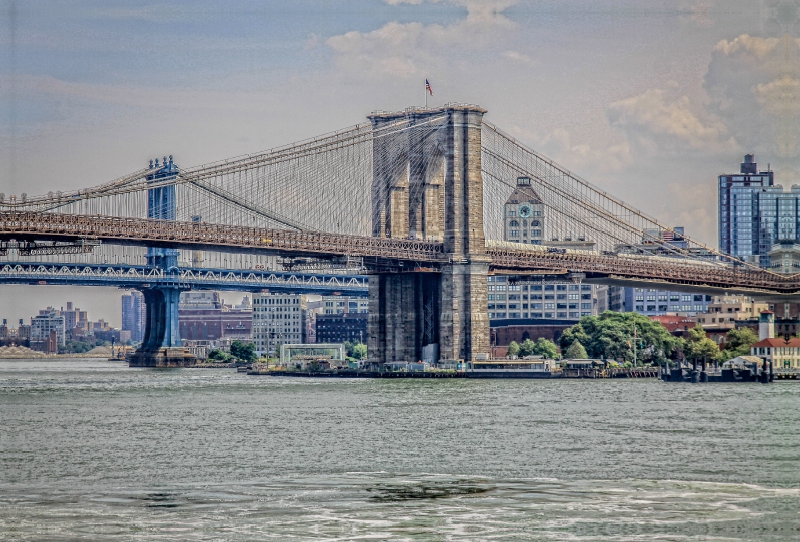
(427, 184)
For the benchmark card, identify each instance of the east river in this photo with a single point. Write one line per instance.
(93, 450)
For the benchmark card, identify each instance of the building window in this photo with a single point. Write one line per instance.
(514, 224)
(514, 233)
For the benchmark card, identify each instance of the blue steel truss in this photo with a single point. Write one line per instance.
(191, 278)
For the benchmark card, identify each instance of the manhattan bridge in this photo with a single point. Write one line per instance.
(411, 199)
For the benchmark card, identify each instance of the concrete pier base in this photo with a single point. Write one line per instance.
(163, 357)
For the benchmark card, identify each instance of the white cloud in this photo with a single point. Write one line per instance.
(754, 86)
(747, 45)
(591, 160)
(657, 119)
(522, 58)
(409, 49)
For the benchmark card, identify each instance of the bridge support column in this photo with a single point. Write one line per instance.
(464, 318)
(404, 317)
(161, 346)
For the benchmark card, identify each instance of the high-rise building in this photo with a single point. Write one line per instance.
(278, 319)
(754, 214)
(134, 315)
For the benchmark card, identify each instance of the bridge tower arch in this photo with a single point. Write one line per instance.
(441, 314)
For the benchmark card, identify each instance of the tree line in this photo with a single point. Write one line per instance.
(611, 336)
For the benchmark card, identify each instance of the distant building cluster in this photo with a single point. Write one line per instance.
(52, 328)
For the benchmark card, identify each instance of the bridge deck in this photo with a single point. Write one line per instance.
(189, 235)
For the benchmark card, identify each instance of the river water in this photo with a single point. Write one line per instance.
(93, 450)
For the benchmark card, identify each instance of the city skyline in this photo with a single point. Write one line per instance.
(653, 106)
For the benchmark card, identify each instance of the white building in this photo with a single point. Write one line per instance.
(278, 319)
(48, 320)
(334, 304)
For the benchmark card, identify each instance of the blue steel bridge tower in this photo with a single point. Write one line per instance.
(161, 345)
(161, 205)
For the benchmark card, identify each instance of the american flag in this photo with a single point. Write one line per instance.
(428, 87)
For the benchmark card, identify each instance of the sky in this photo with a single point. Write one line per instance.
(650, 100)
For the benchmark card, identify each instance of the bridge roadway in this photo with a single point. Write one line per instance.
(194, 278)
(412, 254)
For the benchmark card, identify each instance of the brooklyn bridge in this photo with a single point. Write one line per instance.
(413, 199)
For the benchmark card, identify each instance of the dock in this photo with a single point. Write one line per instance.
(361, 374)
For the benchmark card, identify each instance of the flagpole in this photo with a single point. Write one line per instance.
(425, 88)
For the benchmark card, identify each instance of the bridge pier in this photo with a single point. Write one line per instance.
(161, 346)
(404, 317)
(424, 315)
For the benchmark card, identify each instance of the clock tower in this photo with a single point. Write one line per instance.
(523, 213)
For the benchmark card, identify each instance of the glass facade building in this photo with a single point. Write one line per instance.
(754, 213)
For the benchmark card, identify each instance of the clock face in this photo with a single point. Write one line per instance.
(524, 211)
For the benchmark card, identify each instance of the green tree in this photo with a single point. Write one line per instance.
(75, 347)
(738, 343)
(513, 349)
(576, 351)
(610, 336)
(244, 351)
(545, 348)
(217, 355)
(699, 347)
(527, 348)
(359, 350)
(355, 349)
